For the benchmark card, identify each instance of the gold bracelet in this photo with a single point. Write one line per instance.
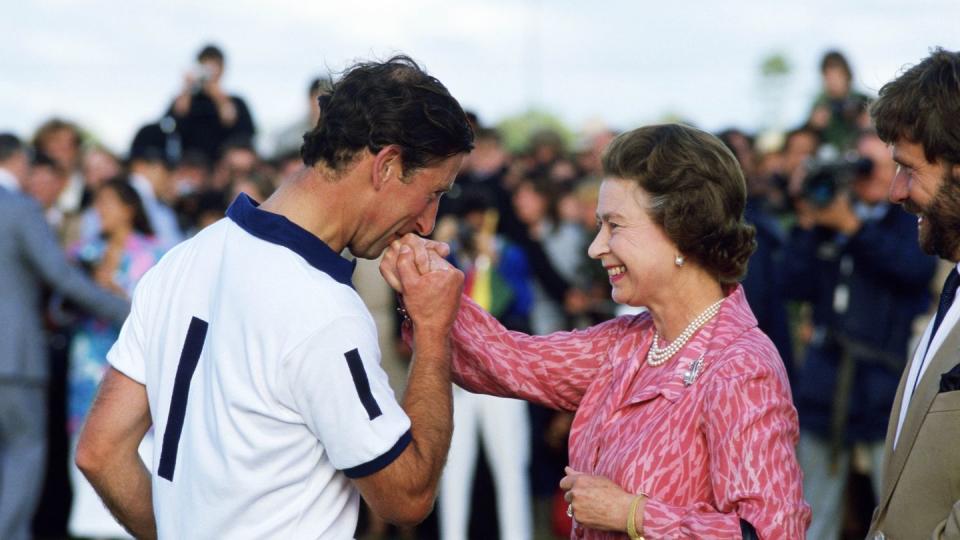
(632, 519)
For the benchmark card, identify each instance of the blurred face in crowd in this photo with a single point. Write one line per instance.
(746, 157)
(531, 206)
(874, 188)
(407, 205)
(189, 178)
(239, 160)
(98, 167)
(636, 253)
(836, 83)
(44, 183)
(63, 146)
(213, 68)
(160, 177)
(799, 147)
(115, 215)
(932, 192)
(487, 156)
(589, 160)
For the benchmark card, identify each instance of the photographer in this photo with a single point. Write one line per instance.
(206, 116)
(839, 113)
(855, 259)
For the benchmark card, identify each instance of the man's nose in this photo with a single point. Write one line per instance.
(900, 187)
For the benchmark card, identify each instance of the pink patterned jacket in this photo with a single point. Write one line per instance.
(707, 454)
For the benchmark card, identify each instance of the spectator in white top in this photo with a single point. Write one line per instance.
(255, 361)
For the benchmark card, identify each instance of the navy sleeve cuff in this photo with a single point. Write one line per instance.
(378, 463)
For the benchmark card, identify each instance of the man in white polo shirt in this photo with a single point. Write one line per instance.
(256, 363)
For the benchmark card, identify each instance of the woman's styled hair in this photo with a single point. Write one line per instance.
(697, 193)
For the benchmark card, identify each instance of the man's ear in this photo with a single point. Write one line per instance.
(387, 165)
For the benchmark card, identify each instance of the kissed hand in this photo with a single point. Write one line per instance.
(428, 255)
(430, 285)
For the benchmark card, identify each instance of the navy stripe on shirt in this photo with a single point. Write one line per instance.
(379, 463)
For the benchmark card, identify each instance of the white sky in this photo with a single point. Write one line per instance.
(113, 66)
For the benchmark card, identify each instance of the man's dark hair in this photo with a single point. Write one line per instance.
(210, 52)
(923, 106)
(376, 104)
(10, 144)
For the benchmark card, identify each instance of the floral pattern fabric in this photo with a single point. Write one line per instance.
(94, 337)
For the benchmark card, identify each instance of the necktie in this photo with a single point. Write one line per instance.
(947, 295)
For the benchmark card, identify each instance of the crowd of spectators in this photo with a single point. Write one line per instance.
(838, 282)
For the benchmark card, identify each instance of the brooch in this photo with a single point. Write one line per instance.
(691, 374)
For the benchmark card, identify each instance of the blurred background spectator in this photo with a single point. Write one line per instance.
(855, 258)
(205, 115)
(116, 259)
(289, 139)
(840, 112)
(31, 259)
(497, 278)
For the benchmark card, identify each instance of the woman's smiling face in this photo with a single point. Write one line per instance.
(636, 252)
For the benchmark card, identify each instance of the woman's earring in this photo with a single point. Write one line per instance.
(678, 260)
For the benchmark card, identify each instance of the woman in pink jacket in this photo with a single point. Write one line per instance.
(684, 425)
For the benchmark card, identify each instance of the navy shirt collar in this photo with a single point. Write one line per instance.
(279, 230)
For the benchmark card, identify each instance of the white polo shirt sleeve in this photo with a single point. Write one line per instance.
(337, 385)
(127, 354)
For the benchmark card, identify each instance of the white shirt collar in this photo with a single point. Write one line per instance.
(921, 361)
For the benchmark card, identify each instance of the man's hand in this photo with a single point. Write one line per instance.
(838, 215)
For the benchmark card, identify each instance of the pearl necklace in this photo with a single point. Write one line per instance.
(657, 356)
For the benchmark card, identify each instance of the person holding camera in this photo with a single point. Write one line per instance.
(854, 258)
(206, 116)
(839, 112)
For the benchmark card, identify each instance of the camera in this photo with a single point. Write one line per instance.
(827, 177)
(201, 75)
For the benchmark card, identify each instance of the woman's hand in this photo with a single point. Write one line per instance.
(597, 502)
(428, 255)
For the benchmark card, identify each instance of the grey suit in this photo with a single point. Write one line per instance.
(30, 257)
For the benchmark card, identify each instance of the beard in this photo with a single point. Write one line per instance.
(940, 232)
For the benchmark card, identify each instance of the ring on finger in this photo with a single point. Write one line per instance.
(570, 510)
